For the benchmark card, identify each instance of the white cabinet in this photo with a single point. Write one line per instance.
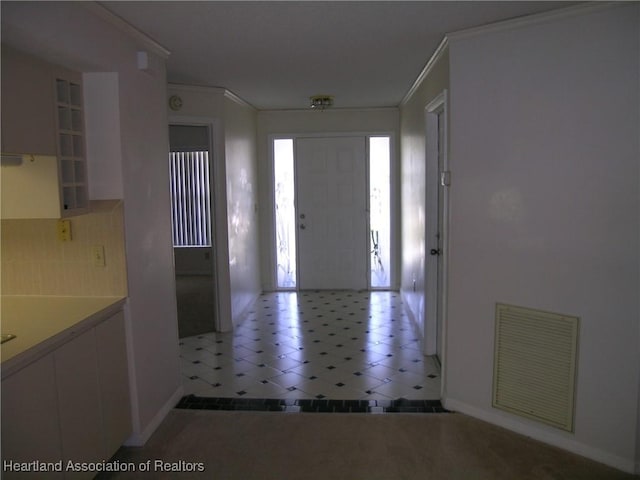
(79, 402)
(30, 421)
(114, 382)
(70, 405)
(28, 118)
(42, 118)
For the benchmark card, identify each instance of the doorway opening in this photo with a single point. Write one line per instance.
(332, 196)
(191, 219)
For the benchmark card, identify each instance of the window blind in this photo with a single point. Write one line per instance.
(190, 194)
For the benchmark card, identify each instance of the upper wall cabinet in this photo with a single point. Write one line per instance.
(71, 141)
(42, 116)
(28, 104)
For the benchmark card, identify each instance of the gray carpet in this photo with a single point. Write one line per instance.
(283, 446)
(196, 306)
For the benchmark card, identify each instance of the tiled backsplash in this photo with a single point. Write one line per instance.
(35, 262)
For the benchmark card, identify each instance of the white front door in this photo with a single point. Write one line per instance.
(439, 240)
(332, 213)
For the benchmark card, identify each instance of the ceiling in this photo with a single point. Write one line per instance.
(275, 55)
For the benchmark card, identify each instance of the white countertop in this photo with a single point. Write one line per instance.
(42, 323)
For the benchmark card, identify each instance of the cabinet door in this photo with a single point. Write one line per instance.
(30, 423)
(114, 381)
(79, 402)
(28, 114)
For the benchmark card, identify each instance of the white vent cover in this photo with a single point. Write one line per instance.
(535, 364)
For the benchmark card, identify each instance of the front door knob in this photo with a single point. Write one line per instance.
(435, 251)
(302, 226)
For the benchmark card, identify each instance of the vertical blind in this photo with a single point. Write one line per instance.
(190, 194)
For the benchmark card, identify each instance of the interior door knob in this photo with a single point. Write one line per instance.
(302, 226)
(435, 251)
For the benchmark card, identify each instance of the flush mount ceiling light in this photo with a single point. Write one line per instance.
(320, 102)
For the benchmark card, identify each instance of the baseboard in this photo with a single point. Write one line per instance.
(414, 322)
(138, 439)
(543, 436)
(244, 311)
(412, 316)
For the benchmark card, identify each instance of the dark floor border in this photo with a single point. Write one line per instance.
(401, 405)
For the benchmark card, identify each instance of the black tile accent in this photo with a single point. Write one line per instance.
(319, 404)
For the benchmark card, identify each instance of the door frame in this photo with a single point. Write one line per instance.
(219, 225)
(271, 278)
(435, 177)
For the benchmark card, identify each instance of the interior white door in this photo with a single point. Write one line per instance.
(332, 218)
(436, 197)
(439, 235)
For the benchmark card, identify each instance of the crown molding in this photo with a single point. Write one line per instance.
(510, 24)
(228, 94)
(442, 47)
(196, 88)
(122, 25)
(534, 19)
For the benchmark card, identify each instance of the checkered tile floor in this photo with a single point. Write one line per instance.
(314, 345)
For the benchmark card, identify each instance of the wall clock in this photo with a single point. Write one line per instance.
(175, 102)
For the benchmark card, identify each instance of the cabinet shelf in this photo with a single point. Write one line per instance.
(71, 149)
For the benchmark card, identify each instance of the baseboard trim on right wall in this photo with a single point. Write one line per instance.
(501, 420)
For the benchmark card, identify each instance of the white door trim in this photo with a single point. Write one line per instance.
(432, 295)
(271, 278)
(221, 275)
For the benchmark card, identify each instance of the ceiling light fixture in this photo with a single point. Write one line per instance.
(320, 102)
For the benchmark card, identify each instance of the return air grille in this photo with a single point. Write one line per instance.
(535, 364)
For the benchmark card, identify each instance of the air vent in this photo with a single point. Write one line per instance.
(535, 364)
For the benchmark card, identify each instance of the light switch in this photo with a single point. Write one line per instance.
(64, 230)
(97, 253)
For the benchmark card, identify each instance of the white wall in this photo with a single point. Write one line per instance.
(205, 106)
(234, 190)
(414, 177)
(545, 211)
(296, 122)
(59, 32)
(242, 204)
